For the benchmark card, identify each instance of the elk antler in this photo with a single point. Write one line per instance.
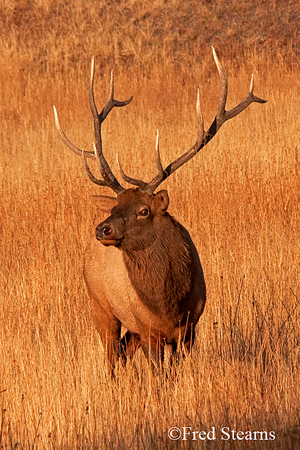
(109, 179)
(203, 136)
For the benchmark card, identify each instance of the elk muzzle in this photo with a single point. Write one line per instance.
(110, 232)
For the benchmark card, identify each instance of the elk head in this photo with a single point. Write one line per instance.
(141, 204)
(135, 216)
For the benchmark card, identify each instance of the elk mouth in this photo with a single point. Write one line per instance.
(107, 242)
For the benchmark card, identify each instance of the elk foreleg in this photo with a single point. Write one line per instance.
(109, 328)
(153, 349)
(129, 344)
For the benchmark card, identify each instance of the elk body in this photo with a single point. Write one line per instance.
(141, 267)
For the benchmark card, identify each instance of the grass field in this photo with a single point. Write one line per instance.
(239, 198)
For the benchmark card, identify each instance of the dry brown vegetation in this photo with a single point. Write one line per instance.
(239, 198)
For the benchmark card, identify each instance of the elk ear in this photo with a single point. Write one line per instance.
(104, 203)
(161, 200)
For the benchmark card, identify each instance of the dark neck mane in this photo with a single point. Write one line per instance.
(161, 273)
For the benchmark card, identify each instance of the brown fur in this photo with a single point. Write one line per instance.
(148, 277)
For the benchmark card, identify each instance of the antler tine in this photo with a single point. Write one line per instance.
(224, 84)
(203, 136)
(161, 174)
(251, 84)
(141, 184)
(165, 173)
(158, 160)
(200, 121)
(67, 142)
(112, 85)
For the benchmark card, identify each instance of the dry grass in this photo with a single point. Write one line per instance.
(239, 198)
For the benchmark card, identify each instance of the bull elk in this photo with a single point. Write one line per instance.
(141, 267)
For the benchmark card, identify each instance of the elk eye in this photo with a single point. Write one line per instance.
(143, 212)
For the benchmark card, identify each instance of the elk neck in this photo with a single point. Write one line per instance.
(162, 272)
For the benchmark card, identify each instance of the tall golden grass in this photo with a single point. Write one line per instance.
(239, 198)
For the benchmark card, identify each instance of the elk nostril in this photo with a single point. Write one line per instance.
(107, 231)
